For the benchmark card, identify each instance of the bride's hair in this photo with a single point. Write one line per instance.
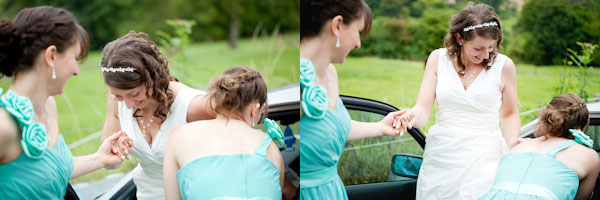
(314, 14)
(137, 51)
(234, 90)
(564, 112)
(472, 15)
(32, 31)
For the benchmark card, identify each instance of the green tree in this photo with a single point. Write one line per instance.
(551, 27)
(430, 30)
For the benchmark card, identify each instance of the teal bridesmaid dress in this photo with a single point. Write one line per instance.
(237, 176)
(529, 175)
(322, 145)
(44, 178)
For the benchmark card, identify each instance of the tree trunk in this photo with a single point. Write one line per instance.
(234, 33)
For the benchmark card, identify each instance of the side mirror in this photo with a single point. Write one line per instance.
(406, 165)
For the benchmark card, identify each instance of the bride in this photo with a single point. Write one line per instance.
(475, 87)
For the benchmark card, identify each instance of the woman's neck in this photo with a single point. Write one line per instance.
(31, 85)
(319, 54)
(231, 120)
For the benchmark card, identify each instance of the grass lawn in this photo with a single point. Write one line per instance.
(82, 106)
(397, 82)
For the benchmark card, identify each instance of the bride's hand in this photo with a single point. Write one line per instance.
(390, 125)
(405, 121)
(115, 149)
(123, 145)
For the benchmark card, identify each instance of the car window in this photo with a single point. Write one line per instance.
(287, 130)
(369, 160)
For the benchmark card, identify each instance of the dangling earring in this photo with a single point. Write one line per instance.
(253, 124)
(53, 72)
(337, 42)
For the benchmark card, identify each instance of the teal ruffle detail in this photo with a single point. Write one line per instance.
(274, 131)
(307, 73)
(314, 97)
(34, 141)
(314, 101)
(19, 107)
(34, 138)
(582, 138)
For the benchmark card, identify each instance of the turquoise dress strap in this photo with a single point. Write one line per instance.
(560, 147)
(264, 144)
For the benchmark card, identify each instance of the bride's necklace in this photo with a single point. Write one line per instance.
(468, 79)
(144, 126)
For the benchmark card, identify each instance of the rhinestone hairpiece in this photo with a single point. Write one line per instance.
(121, 69)
(480, 26)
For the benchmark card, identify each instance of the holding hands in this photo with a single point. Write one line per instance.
(396, 123)
(114, 149)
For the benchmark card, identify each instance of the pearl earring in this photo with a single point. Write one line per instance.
(337, 42)
(53, 72)
(253, 124)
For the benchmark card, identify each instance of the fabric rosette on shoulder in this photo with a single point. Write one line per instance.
(19, 107)
(274, 131)
(582, 138)
(34, 141)
(307, 73)
(314, 101)
(34, 138)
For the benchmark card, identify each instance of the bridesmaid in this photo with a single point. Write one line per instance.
(330, 29)
(227, 158)
(40, 49)
(559, 163)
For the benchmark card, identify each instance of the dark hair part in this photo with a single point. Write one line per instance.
(32, 31)
(315, 13)
(136, 50)
(564, 112)
(239, 86)
(472, 15)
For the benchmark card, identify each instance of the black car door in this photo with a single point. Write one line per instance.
(366, 165)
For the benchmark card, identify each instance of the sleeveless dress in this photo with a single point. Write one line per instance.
(464, 146)
(44, 178)
(529, 175)
(147, 176)
(237, 176)
(322, 145)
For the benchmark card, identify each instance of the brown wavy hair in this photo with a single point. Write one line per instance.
(151, 70)
(564, 112)
(314, 14)
(33, 30)
(239, 86)
(472, 15)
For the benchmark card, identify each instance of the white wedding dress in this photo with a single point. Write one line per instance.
(464, 146)
(148, 175)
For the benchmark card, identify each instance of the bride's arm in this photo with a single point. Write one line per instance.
(112, 125)
(511, 123)
(422, 109)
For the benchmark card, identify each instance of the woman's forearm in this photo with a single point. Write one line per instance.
(86, 164)
(511, 127)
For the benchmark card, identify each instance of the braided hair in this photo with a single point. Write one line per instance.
(564, 112)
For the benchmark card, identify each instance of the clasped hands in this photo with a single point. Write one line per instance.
(398, 122)
(114, 149)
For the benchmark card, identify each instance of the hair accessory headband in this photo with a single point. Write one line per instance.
(121, 69)
(480, 26)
